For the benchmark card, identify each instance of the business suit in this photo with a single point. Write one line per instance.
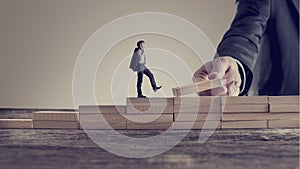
(266, 31)
(138, 64)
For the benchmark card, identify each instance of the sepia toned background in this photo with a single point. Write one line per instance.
(40, 41)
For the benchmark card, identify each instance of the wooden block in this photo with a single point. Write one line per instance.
(55, 116)
(149, 126)
(164, 121)
(150, 101)
(284, 108)
(283, 116)
(251, 108)
(245, 100)
(202, 100)
(55, 124)
(186, 117)
(283, 124)
(15, 123)
(102, 109)
(259, 116)
(95, 121)
(227, 100)
(284, 99)
(196, 126)
(226, 108)
(196, 87)
(147, 109)
(244, 124)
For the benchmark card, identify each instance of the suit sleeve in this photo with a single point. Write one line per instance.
(242, 41)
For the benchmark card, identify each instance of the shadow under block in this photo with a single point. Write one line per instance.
(181, 125)
(15, 124)
(55, 116)
(102, 117)
(38, 124)
(283, 124)
(161, 122)
(262, 124)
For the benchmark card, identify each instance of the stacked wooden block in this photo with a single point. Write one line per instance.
(102, 117)
(203, 112)
(284, 112)
(154, 113)
(193, 112)
(15, 123)
(55, 120)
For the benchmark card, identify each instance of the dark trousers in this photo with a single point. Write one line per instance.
(140, 74)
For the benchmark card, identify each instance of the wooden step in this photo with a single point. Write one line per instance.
(37, 124)
(15, 123)
(55, 116)
(262, 124)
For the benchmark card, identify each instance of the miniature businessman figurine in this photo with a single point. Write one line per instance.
(138, 64)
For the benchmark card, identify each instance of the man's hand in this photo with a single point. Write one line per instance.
(224, 68)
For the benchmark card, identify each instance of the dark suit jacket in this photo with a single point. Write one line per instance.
(261, 22)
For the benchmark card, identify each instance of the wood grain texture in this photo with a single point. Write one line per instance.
(283, 100)
(55, 116)
(164, 121)
(284, 108)
(278, 124)
(104, 109)
(106, 121)
(55, 124)
(187, 117)
(15, 123)
(244, 124)
(147, 109)
(150, 101)
(196, 87)
(196, 126)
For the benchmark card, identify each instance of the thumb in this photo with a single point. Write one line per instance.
(217, 71)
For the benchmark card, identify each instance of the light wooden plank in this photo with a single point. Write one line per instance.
(187, 117)
(104, 109)
(284, 99)
(106, 121)
(226, 108)
(150, 101)
(147, 109)
(202, 100)
(149, 126)
(55, 116)
(284, 108)
(259, 116)
(244, 124)
(196, 87)
(283, 124)
(227, 100)
(55, 124)
(15, 123)
(196, 126)
(149, 121)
